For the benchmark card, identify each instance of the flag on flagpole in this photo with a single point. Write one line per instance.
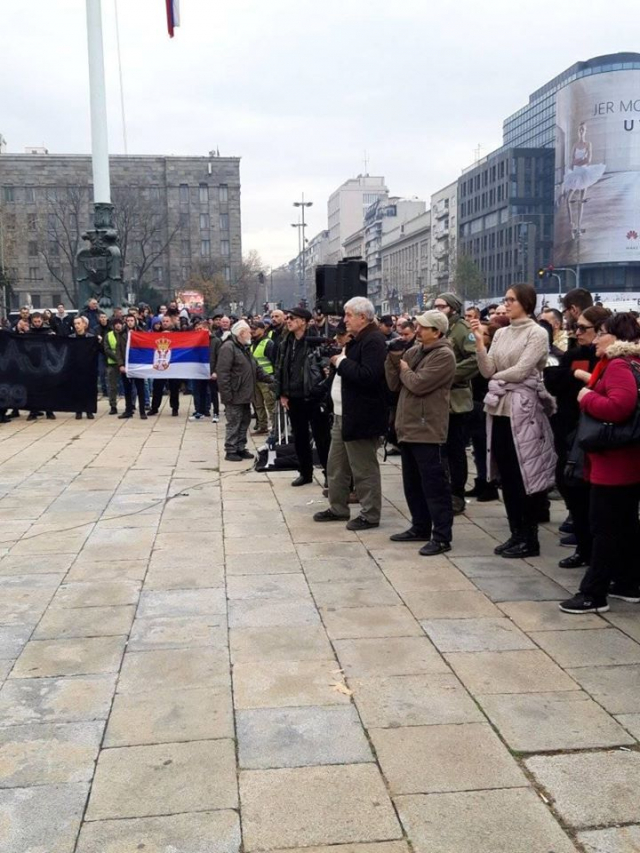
(168, 355)
(173, 15)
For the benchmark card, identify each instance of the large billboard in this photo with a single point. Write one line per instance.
(597, 217)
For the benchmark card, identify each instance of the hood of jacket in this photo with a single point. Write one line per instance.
(624, 349)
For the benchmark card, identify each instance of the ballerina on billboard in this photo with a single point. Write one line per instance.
(582, 175)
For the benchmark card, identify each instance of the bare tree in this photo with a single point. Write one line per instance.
(59, 235)
(246, 287)
(209, 279)
(144, 230)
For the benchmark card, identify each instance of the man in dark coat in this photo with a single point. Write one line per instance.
(358, 393)
(237, 372)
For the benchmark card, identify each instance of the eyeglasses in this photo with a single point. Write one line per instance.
(581, 328)
(439, 305)
(508, 300)
(601, 333)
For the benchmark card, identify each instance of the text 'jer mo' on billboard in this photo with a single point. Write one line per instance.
(597, 188)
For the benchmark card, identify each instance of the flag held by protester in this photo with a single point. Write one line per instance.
(168, 355)
(173, 15)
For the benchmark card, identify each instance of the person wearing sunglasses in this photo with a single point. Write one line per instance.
(519, 437)
(565, 383)
(611, 397)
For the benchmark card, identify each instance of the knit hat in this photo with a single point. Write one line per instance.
(434, 320)
(452, 301)
(239, 327)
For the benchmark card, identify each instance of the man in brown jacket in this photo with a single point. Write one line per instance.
(423, 375)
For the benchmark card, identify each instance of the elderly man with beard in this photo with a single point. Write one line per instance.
(237, 372)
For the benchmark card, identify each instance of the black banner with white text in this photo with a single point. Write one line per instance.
(48, 373)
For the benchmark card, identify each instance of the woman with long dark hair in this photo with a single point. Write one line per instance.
(611, 396)
(519, 438)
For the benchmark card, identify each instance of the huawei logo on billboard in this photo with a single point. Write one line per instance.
(632, 235)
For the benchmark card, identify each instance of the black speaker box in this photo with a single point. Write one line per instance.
(336, 284)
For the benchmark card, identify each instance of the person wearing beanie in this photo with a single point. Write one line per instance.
(237, 373)
(423, 376)
(463, 342)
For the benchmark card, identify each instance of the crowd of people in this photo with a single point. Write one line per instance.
(521, 388)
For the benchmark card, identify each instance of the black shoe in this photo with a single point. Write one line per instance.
(410, 535)
(434, 547)
(90, 415)
(32, 416)
(583, 604)
(51, 416)
(393, 451)
(14, 414)
(327, 515)
(476, 490)
(78, 416)
(526, 545)
(174, 413)
(122, 416)
(113, 410)
(302, 481)
(361, 523)
(5, 419)
(233, 457)
(152, 411)
(244, 454)
(569, 541)
(459, 504)
(511, 541)
(489, 493)
(567, 525)
(575, 561)
(631, 595)
(143, 415)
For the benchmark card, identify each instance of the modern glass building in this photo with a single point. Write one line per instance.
(564, 189)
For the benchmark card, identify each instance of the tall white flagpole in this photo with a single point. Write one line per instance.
(98, 98)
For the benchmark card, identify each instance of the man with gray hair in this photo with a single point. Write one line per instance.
(238, 372)
(358, 392)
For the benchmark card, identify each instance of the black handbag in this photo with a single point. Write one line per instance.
(594, 435)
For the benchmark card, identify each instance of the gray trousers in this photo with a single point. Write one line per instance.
(357, 459)
(238, 419)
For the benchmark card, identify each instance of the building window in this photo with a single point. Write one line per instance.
(203, 193)
(227, 273)
(31, 222)
(204, 222)
(186, 273)
(223, 194)
(32, 248)
(73, 221)
(158, 274)
(52, 194)
(10, 221)
(154, 193)
(205, 248)
(225, 248)
(34, 273)
(36, 300)
(185, 249)
(29, 194)
(51, 221)
(56, 273)
(224, 221)
(8, 194)
(184, 193)
(54, 248)
(55, 299)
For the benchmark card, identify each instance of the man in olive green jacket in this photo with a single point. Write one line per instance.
(464, 348)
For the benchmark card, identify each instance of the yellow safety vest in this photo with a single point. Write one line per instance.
(111, 338)
(259, 355)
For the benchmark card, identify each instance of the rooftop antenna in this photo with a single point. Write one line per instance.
(366, 164)
(478, 151)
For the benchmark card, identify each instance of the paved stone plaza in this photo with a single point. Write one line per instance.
(191, 665)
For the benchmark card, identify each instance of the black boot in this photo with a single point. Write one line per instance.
(488, 492)
(511, 541)
(527, 544)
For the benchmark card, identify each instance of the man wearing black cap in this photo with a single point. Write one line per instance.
(299, 375)
(385, 324)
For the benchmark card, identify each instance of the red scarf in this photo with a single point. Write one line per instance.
(598, 370)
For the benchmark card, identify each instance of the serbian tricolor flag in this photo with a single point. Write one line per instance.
(173, 15)
(168, 355)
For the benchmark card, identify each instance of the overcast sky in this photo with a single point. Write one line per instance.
(299, 88)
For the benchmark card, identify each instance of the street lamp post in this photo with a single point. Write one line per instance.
(302, 204)
(99, 264)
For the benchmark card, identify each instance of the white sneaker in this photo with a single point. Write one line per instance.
(196, 417)
(215, 419)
